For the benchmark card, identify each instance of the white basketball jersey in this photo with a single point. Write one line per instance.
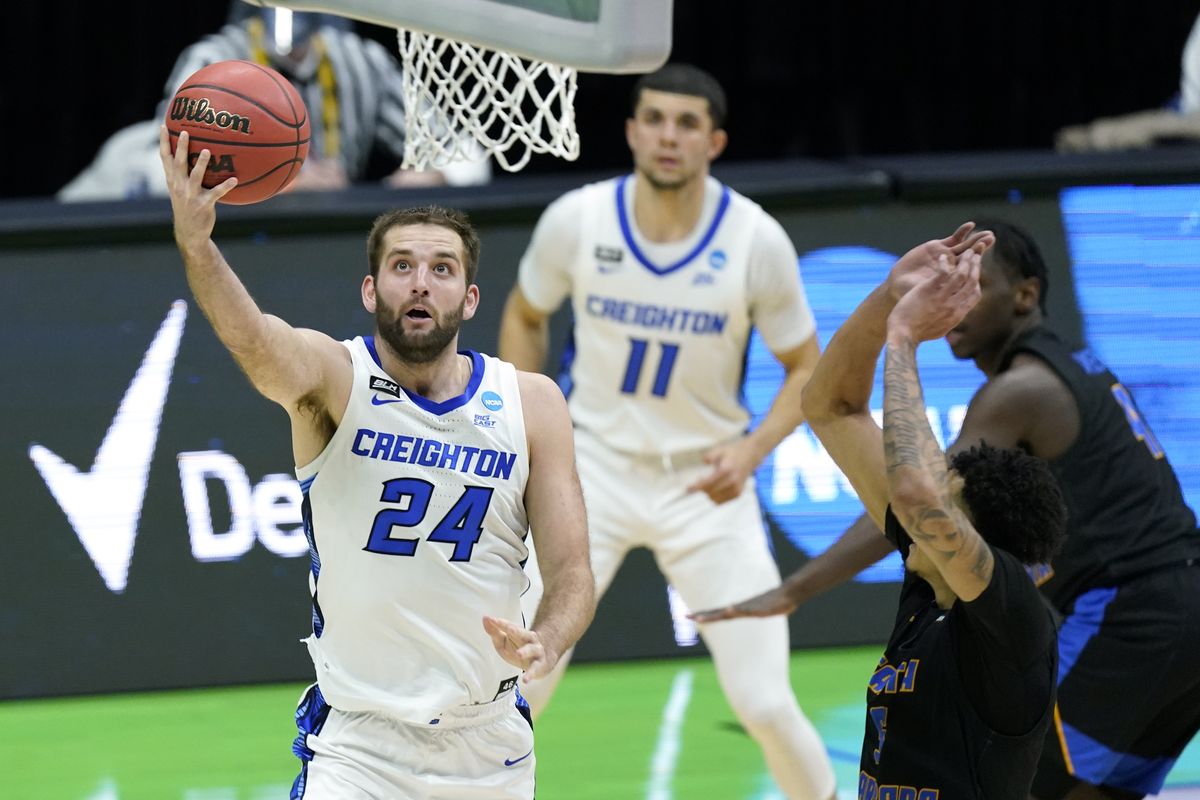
(416, 522)
(658, 349)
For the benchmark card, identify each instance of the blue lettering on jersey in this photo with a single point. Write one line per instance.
(384, 446)
(890, 679)
(870, 789)
(645, 315)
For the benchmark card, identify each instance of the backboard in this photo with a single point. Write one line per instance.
(615, 36)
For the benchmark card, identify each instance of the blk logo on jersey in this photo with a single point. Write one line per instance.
(484, 421)
(717, 259)
(605, 253)
(384, 385)
(608, 259)
(492, 402)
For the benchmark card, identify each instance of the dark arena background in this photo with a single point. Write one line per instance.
(150, 536)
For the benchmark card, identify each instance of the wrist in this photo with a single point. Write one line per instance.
(759, 445)
(899, 334)
(796, 589)
(885, 296)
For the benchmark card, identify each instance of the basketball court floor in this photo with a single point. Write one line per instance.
(627, 731)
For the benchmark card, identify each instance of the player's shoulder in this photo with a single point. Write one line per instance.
(589, 193)
(537, 389)
(1028, 377)
(567, 207)
(762, 220)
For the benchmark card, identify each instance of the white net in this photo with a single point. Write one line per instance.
(470, 97)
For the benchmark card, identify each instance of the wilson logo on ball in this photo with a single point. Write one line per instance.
(199, 110)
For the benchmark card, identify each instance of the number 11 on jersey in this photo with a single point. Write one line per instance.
(662, 375)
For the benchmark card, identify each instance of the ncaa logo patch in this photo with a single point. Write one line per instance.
(717, 259)
(492, 401)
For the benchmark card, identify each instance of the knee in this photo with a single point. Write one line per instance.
(766, 715)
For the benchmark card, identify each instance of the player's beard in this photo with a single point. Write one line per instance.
(421, 347)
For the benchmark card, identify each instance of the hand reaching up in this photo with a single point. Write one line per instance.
(921, 262)
(940, 301)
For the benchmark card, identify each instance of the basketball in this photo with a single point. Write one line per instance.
(250, 119)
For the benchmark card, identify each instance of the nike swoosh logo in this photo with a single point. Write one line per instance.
(510, 762)
(376, 400)
(104, 504)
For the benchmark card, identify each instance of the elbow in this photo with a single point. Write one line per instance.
(822, 407)
(816, 404)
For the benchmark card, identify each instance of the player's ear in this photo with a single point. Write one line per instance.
(368, 294)
(716, 143)
(1028, 291)
(630, 122)
(471, 303)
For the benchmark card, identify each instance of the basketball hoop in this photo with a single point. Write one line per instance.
(461, 98)
(497, 77)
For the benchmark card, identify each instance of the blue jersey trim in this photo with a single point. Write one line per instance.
(446, 406)
(369, 341)
(1078, 628)
(566, 381)
(311, 715)
(627, 232)
(1097, 763)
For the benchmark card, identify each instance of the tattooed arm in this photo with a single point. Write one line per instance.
(836, 397)
(925, 493)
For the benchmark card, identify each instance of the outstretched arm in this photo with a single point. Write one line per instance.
(285, 364)
(835, 403)
(858, 548)
(554, 504)
(836, 397)
(924, 492)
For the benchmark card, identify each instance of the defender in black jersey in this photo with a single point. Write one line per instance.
(960, 703)
(1126, 581)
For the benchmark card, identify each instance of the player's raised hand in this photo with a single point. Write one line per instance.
(520, 647)
(921, 262)
(193, 206)
(768, 604)
(732, 463)
(939, 302)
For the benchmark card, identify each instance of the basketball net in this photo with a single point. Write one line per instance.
(460, 98)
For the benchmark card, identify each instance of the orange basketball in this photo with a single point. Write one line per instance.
(252, 121)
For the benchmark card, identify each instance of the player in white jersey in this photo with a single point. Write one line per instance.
(421, 475)
(667, 272)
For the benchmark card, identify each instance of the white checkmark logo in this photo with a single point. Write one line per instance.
(104, 504)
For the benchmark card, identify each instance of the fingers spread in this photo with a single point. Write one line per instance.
(956, 239)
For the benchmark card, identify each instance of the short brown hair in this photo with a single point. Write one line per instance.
(679, 78)
(450, 218)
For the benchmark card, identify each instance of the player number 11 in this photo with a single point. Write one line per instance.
(662, 376)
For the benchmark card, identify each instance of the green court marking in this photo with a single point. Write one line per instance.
(596, 741)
